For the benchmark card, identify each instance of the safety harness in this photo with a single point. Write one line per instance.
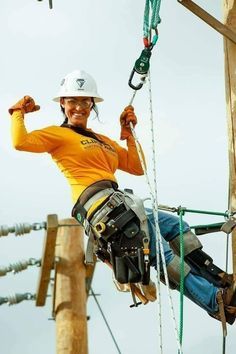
(116, 224)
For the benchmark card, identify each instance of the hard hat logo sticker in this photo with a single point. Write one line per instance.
(80, 82)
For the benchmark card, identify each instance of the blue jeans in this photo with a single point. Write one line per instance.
(196, 288)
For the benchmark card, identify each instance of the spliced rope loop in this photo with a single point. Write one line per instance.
(150, 22)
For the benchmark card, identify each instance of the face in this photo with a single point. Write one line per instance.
(77, 110)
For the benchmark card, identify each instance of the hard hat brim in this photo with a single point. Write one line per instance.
(97, 98)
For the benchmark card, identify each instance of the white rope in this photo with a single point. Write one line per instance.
(159, 242)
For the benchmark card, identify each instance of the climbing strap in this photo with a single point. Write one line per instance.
(150, 22)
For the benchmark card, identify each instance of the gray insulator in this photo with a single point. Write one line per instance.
(21, 229)
(3, 300)
(3, 271)
(17, 298)
(19, 266)
(4, 230)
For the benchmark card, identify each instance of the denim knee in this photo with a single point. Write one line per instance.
(168, 224)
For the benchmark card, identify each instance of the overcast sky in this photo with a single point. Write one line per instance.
(38, 47)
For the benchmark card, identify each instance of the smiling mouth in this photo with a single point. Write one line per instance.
(78, 115)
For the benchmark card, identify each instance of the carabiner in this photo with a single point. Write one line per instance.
(138, 86)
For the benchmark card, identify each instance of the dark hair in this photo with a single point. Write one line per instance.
(94, 108)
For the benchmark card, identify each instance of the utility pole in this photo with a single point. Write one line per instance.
(228, 30)
(63, 251)
(230, 83)
(70, 289)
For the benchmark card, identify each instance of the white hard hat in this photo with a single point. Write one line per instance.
(78, 83)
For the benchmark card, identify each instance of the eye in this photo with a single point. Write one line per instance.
(71, 101)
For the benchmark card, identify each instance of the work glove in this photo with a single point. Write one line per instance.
(127, 116)
(26, 105)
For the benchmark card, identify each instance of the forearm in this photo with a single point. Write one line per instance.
(21, 139)
(18, 130)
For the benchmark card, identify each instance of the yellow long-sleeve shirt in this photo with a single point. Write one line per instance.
(82, 160)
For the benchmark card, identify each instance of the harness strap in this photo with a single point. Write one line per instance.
(222, 312)
(89, 259)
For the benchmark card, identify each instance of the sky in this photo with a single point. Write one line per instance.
(38, 47)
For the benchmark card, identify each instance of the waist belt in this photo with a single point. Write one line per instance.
(91, 198)
(95, 188)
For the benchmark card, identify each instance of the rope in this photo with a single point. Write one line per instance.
(155, 207)
(181, 310)
(17, 298)
(158, 234)
(20, 266)
(226, 270)
(159, 241)
(105, 320)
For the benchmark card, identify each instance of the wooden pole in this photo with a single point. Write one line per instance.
(70, 291)
(230, 82)
(47, 262)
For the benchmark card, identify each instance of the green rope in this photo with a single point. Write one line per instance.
(181, 289)
(151, 21)
(184, 210)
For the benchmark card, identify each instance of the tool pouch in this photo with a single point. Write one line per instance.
(127, 259)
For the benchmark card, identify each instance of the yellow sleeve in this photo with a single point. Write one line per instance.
(128, 158)
(35, 141)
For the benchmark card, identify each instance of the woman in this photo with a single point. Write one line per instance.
(116, 221)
